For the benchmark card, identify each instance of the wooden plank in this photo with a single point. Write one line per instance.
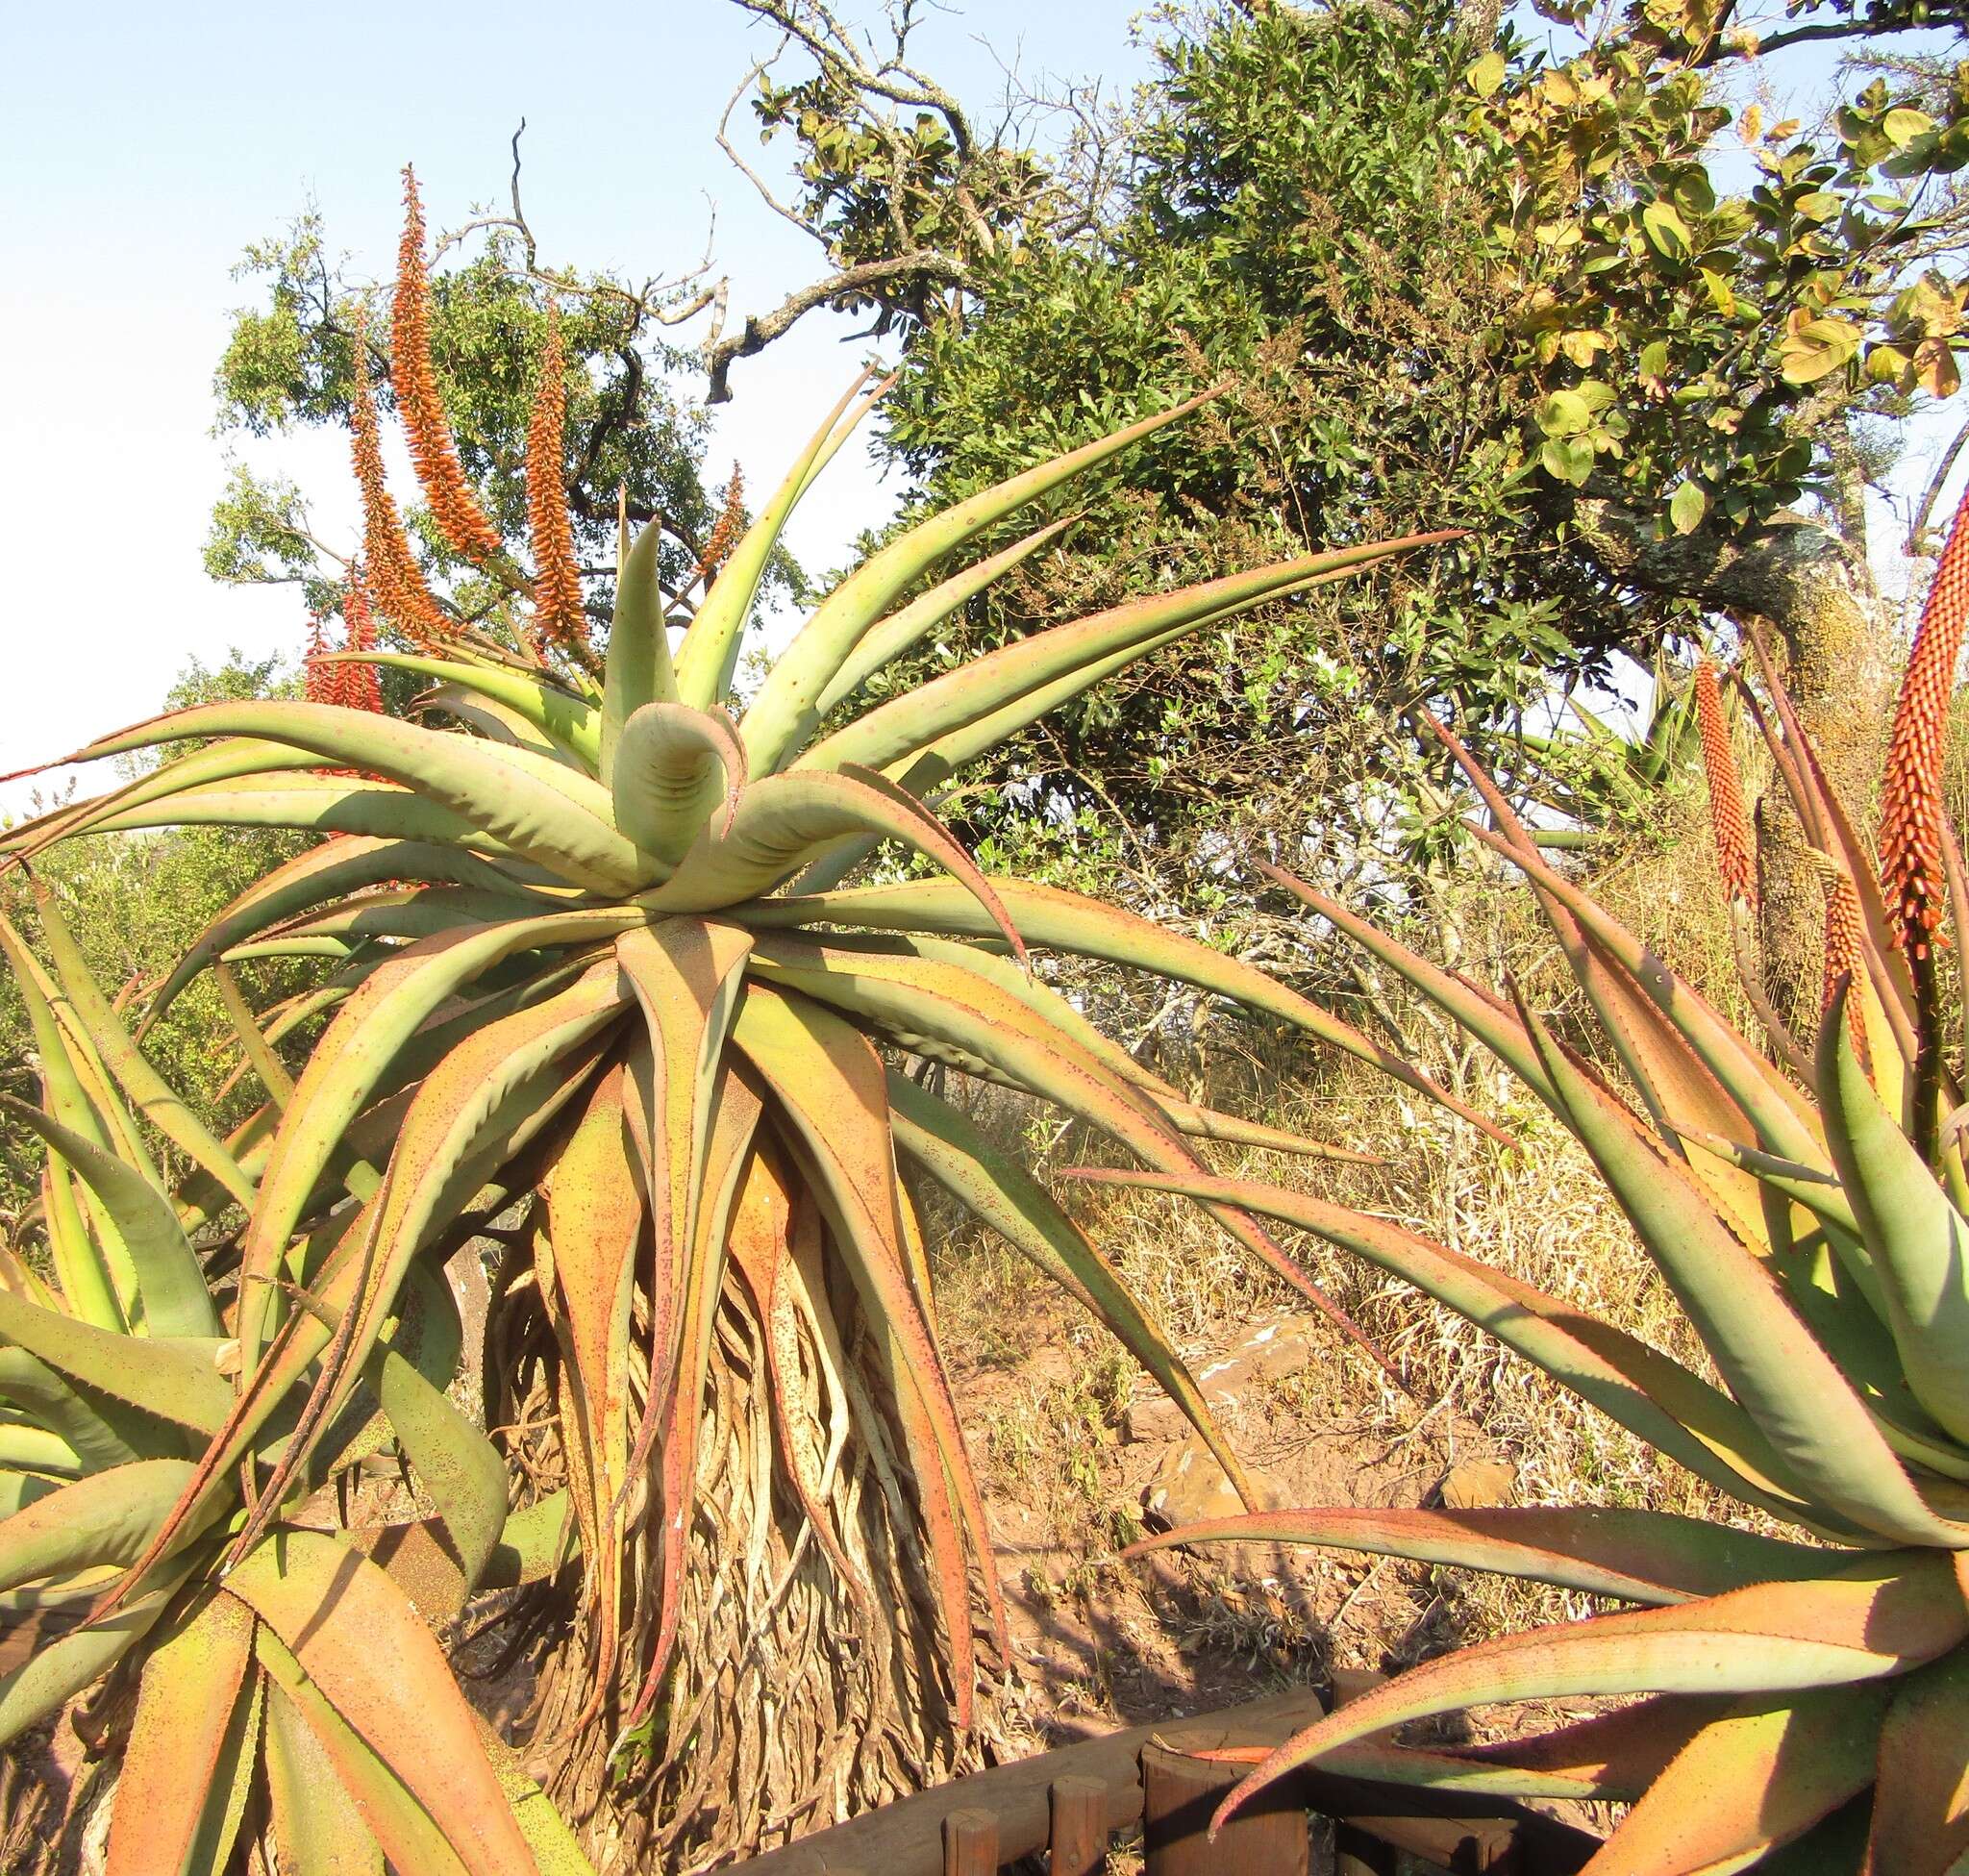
(970, 1843)
(904, 1839)
(1077, 1830)
(1179, 1793)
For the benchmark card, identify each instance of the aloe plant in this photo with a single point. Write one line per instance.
(1808, 1689)
(598, 989)
(306, 1670)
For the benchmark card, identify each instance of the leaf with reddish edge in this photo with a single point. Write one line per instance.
(1644, 1391)
(686, 975)
(1921, 1801)
(1765, 1640)
(156, 1099)
(463, 1121)
(320, 875)
(314, 802)
(350, 1059)
(732, 1197)
(782, 822)
(1645, 1556)
(54, 1673)
(317, 1829)
(1767, 1356)
(391, 1816)
(889, 638)
(787, 711)
(539, 809)
(594, 1209)
(920, 1002)
(194, 1711)
(1760, 1775)
(1619, 1753)
(902, 728)
(365, 1649)
(1001, 1193)
(1059, 920)
(108, 1517)
(1919, 1242)
(1819, 806)
(830, 1082)
(170, 1285)
(567, 721)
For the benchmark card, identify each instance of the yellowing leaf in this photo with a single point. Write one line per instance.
(1486, 74)
(1686, 508)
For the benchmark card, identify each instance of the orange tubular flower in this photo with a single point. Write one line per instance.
(460, 519)
(360, 687)
(1735, 855)
(556, 582)
(395, 579)
(730, 524)
(321, 678)
(1913, 879)
(1845, 956)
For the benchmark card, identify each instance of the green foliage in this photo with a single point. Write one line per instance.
(134, 904)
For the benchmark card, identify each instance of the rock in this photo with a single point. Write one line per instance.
(1475, 1482)
(1189, 1486)
(1227, 1382)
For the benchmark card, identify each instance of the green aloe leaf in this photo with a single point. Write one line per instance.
(361, 1644)
(1759, 1776)
(1918, 1240)
(1677, 1412)
(1645, 1556)
(317, 1828)
(1766, 1355)
(709, 652)
(787, 707)
(568, 722)
(174, 1379)
(170, 1283)
(319, 876)
(638, 670)
(893, 635)
(1059, 920)
(1765, 1640)
(538, 808)
(899, 730)
(58, 1672)
(109, 1518)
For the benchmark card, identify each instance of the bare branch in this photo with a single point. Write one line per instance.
(760, 332)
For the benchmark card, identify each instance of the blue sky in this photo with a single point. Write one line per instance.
(142, 147)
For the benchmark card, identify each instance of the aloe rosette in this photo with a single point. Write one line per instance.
(1806, 1694)
(595, 986)
(307, 1673)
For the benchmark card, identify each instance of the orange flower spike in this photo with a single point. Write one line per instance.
(1735, 855)
(1913, 879)
(319, 679)
(394, 576)
(1845, 954)
(460, 519)
(558, 613)
(362, 689)
(730, 524)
